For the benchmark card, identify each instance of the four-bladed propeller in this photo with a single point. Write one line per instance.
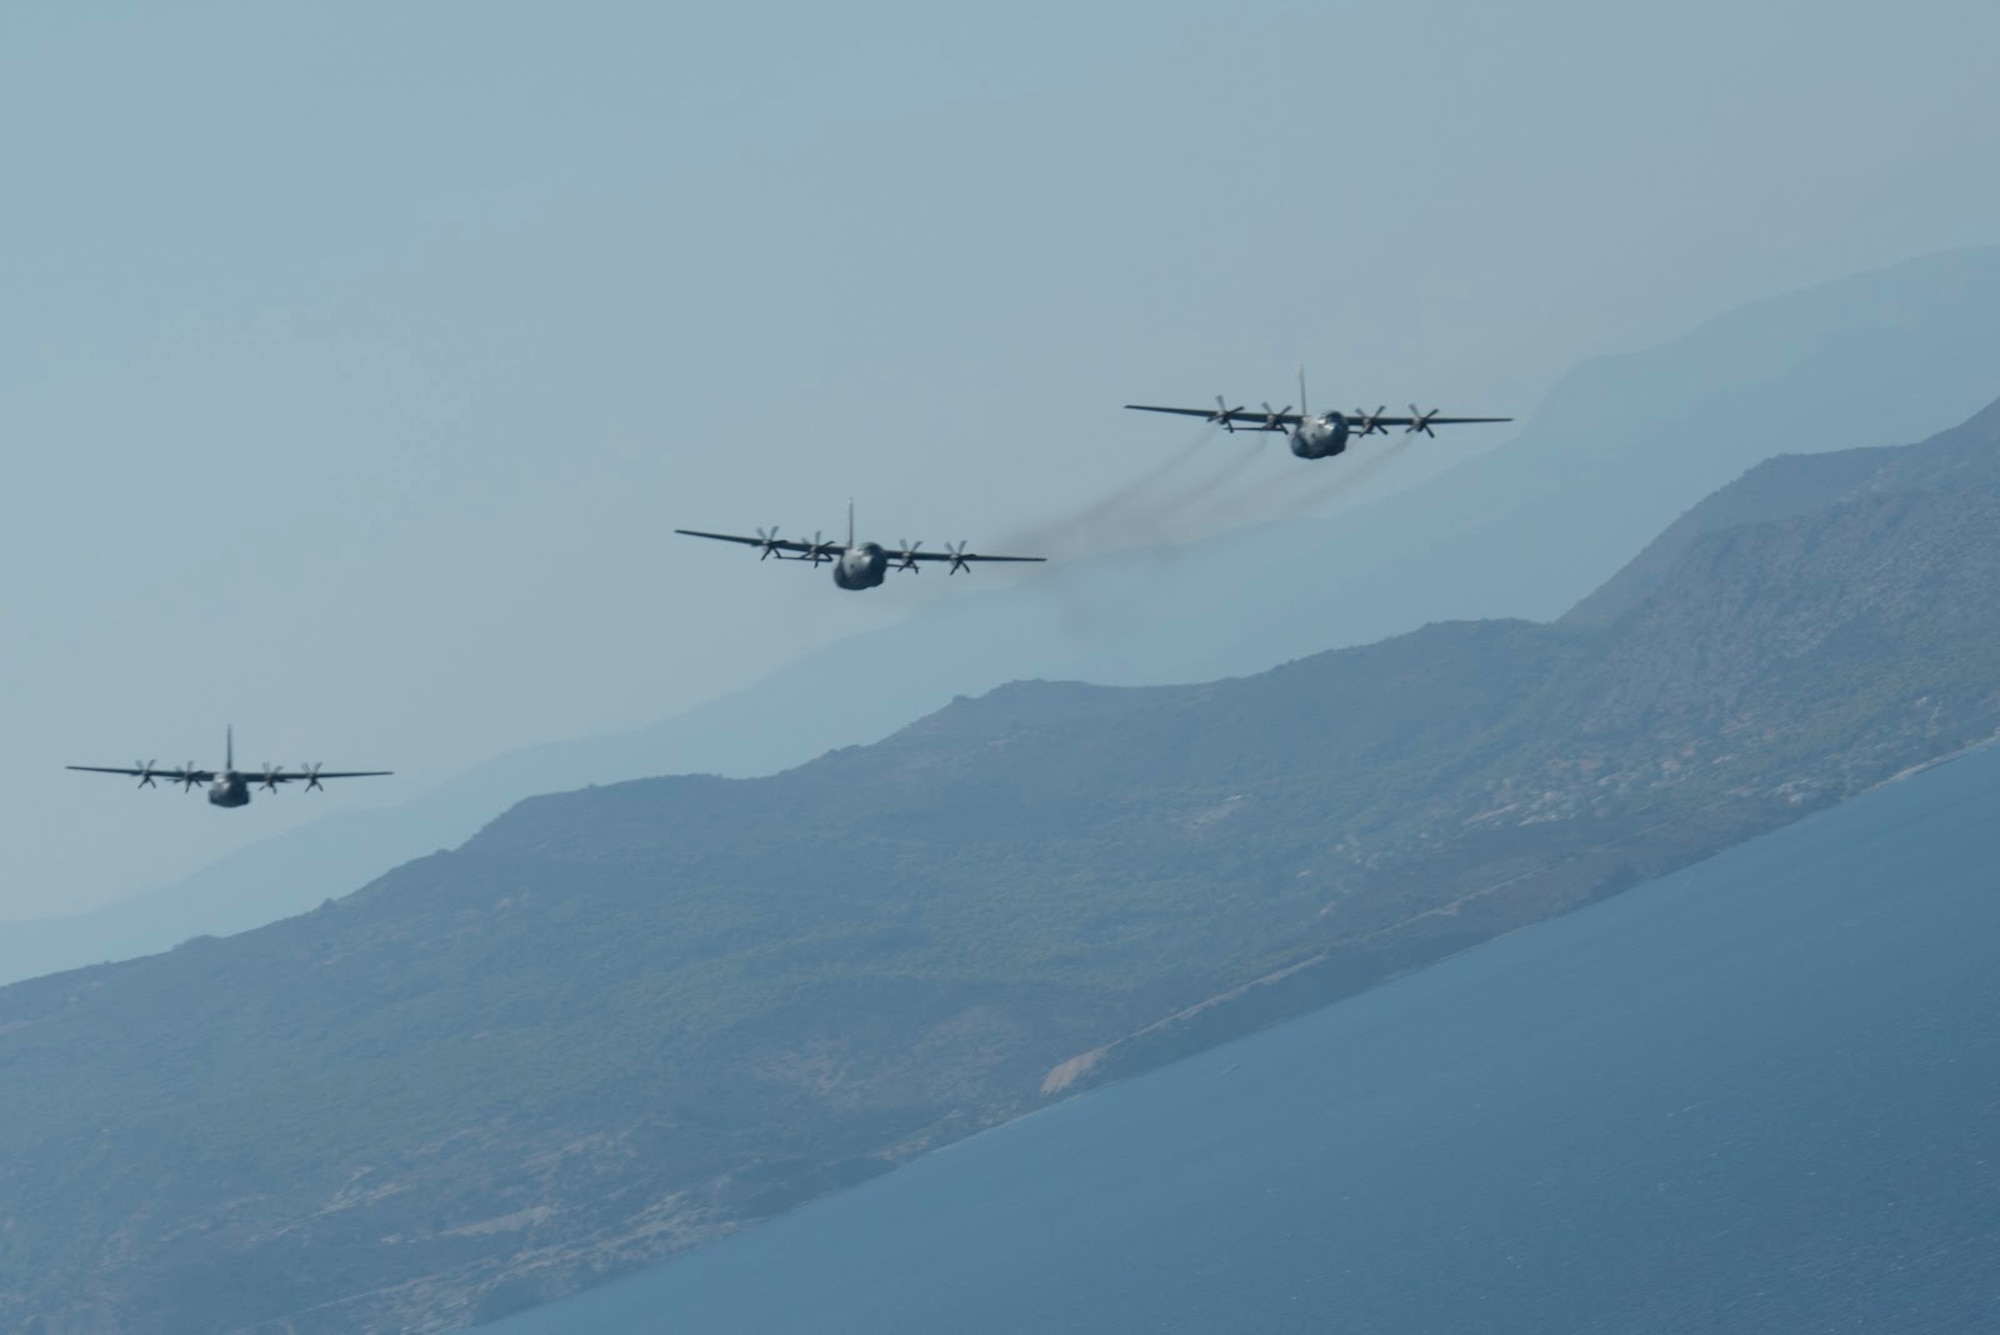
(1365, 422)
(231, 784)
(859, 565)
(818, 550)
(1359, 423)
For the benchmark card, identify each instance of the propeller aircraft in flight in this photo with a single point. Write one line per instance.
(857, 565)
(1316, 435)
(227, 787)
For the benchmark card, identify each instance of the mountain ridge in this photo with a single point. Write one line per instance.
(624, 1020)
(1846, 364)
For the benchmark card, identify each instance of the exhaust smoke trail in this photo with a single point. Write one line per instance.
(1154, 512)
(1157, 512)
(1098, 523)
(1161, 512)
(1355, 476)
(1290, 495)
(1185, 506)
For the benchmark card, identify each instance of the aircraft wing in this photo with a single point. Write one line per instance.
(773, 543)
(1245, 419)
(308, 776)
(1357, 419)
(956, 558)
(171, 775)
(1236, 418)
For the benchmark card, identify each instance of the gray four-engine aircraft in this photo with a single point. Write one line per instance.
(857, 565)
(226, 787)
(1316, 435)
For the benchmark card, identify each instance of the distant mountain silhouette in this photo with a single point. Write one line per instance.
(1620, 448)
(1795, 484)
(624, 1020)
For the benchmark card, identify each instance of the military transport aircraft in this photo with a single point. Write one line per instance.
(1316, 435)
(226, 787)
(858, 565)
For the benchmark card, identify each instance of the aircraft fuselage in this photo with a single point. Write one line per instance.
(1320, 437)
(862, 566)
(229, 790)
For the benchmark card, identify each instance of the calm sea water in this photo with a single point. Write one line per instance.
(1762, 1095)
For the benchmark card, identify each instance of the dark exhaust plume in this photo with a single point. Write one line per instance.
(1285, 499)
(1164, 510)
(1105, 521)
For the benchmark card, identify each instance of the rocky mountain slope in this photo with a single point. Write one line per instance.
(627, 1019)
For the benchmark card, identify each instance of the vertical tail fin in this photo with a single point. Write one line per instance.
(229, 747)
(850, 523)
(1303, 410)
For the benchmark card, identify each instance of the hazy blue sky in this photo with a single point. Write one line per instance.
(359, 358)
